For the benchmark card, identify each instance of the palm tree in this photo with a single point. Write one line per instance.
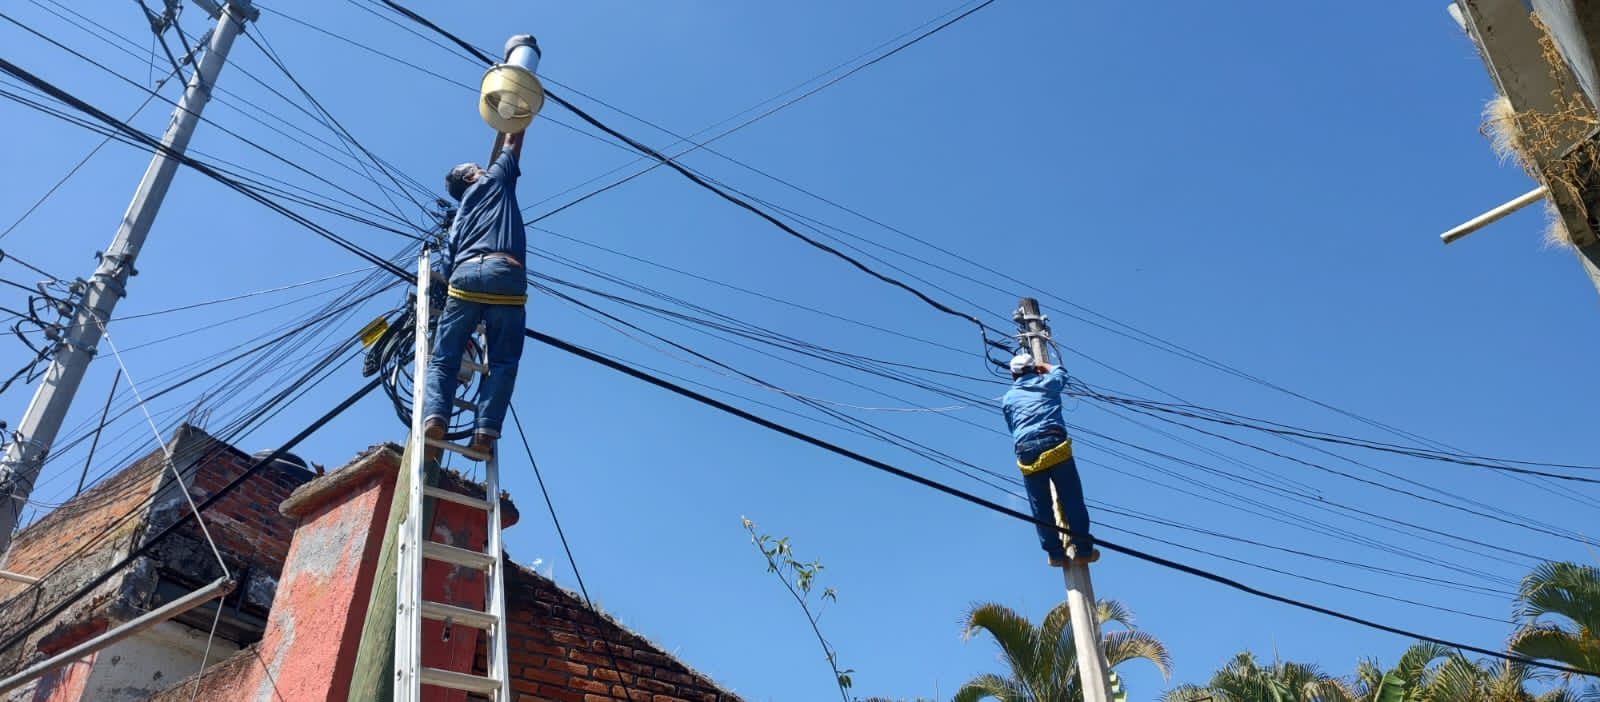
(1407, 681)
(1043, 661)
(1244, 680)
(1560, 603)
(1458, 679)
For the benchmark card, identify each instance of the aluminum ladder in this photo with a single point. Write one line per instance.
(416, 548)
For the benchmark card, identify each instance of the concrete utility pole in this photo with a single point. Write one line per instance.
(1080, 592)
(31, 442)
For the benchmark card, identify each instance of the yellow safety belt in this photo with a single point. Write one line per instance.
(487, 298)
(1049, 459)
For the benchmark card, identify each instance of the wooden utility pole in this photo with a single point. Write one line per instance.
(1080, 592)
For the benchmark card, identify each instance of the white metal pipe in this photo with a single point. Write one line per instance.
(218, 588)
(18, 577)
(1495, 214)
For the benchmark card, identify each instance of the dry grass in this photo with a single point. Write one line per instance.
(1499, 126)
(1556, 235)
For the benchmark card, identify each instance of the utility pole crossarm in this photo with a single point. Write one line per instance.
(35, 434)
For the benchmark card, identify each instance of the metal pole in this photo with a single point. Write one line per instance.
(1495, 214)
(218, 588)
(1080, 591)
(36, 432)
(18, 577)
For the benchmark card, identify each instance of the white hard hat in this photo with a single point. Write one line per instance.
(1021, 362)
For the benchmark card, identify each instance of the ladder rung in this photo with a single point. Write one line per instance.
(463, 404)
(456, 497)
(476, 619)
(458, 556)
(459, 681)
(458, 448)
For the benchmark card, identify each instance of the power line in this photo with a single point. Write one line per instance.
(724, 194)
(1001, 509)
(706, 144)
(226, 130)
(182, 519)
(242, 296)
(755, 333)
(209, 171)
(562, 535)
(944, 459)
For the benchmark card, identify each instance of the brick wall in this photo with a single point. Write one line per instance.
(561, 651)
(250, 532)
(246, 522)
(84, 537)
(55, 537)
(69, 547)
(252, 535)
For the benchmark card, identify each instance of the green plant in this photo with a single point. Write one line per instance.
(1043, 660)
(800, 579)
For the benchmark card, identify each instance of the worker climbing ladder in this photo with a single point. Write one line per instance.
(415, 548)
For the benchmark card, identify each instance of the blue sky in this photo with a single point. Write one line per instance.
(1261, 183)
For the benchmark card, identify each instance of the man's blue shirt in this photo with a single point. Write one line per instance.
(489, 220)
(1034, 403)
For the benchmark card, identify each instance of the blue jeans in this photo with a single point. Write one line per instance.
(503, 325)
(1069, 491)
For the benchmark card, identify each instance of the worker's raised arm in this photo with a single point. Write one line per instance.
(1055, 377)
(514, 145)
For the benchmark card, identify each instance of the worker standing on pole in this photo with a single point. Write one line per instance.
(1044, 454)
(488, 284)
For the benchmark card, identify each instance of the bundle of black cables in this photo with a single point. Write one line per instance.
(394, 351)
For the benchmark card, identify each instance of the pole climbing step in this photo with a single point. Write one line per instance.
(415, 549)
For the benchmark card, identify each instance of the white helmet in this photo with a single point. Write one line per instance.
(1020, 363)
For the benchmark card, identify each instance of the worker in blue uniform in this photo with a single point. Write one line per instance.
(1044, 454)
(487, 283)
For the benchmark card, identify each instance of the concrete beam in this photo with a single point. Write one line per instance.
(1575, 27)
(1552, 117)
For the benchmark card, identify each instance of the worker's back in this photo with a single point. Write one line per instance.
(1034, 402)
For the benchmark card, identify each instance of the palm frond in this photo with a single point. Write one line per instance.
(1563, 589)
(1016, 637)
(1189, 693)
(1114, 611)
(989, 686)
(1549, 641)
(1122, 646)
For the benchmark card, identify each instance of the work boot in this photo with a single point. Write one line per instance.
(432, 429)
(1092, 556)
(482, 444)
(1056, 562)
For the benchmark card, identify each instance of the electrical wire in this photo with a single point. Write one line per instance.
(21, 633)
(593, 357)
(695, 146)
(127, 138)
(724, 194)
(566, 547)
